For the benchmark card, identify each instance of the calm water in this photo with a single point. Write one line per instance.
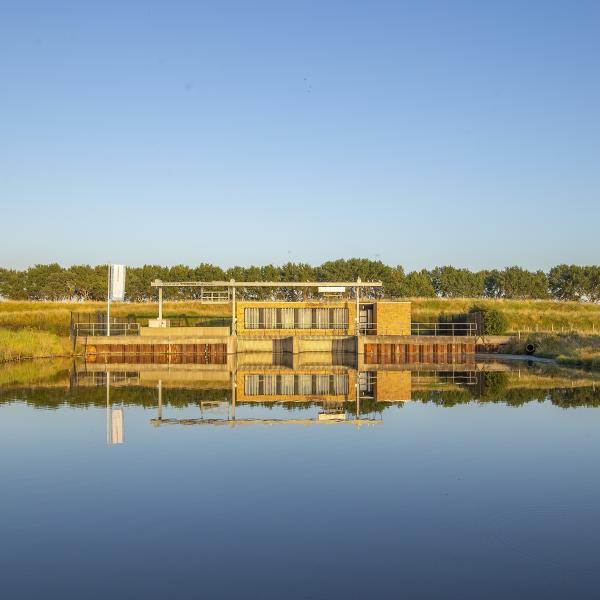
(471, 485)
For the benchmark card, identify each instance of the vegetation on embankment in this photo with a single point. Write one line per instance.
(521, 315)
(55, 317)
(569, 349)
(31, 343)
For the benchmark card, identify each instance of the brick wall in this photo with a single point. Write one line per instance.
(394, 385)
(392, 318)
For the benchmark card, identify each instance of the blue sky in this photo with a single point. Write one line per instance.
(418, 133)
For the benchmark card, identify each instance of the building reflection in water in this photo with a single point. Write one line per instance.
(345, 387)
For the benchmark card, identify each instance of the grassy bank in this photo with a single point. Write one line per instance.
(522, 315)
(31, 343)
(55, 317)
(570, 349)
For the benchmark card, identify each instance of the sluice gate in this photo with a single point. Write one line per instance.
(417, 351)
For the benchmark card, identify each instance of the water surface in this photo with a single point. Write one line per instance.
(480, 484)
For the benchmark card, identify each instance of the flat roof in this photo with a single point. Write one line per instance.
(246, 284)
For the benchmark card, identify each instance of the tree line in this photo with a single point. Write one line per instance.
(84, 282)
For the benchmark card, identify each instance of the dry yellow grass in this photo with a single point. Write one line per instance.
(56, 316)
(522, 315)
(31, 343)
(569, 349)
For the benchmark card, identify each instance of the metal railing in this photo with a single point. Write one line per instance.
(387, 329)
(199, 321)
(101, 329)
(418, 329)
(215, 297)
(444, 329)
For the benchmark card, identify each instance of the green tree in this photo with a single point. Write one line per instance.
(522, 284)
(450, 282)
(567, 282)
(419, 285)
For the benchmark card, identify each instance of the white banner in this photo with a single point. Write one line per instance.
(117, 282)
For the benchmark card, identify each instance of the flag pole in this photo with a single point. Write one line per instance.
(108, 306)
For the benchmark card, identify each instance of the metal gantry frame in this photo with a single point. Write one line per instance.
(232, 285)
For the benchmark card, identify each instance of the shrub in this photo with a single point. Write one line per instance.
(494, 321)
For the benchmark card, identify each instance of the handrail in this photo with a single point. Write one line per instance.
(444, 329)
(193, 321)
(421, 329)
(100, 329)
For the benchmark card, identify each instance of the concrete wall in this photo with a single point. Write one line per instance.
(255, 344)
(392, 318)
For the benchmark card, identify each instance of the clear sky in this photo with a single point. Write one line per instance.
(418, 133)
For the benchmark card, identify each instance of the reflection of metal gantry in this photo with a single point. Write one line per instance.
(235, 422)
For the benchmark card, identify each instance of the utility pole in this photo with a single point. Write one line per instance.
(108, 304)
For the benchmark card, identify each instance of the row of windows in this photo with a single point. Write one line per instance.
(296, 318)
(296, 385)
